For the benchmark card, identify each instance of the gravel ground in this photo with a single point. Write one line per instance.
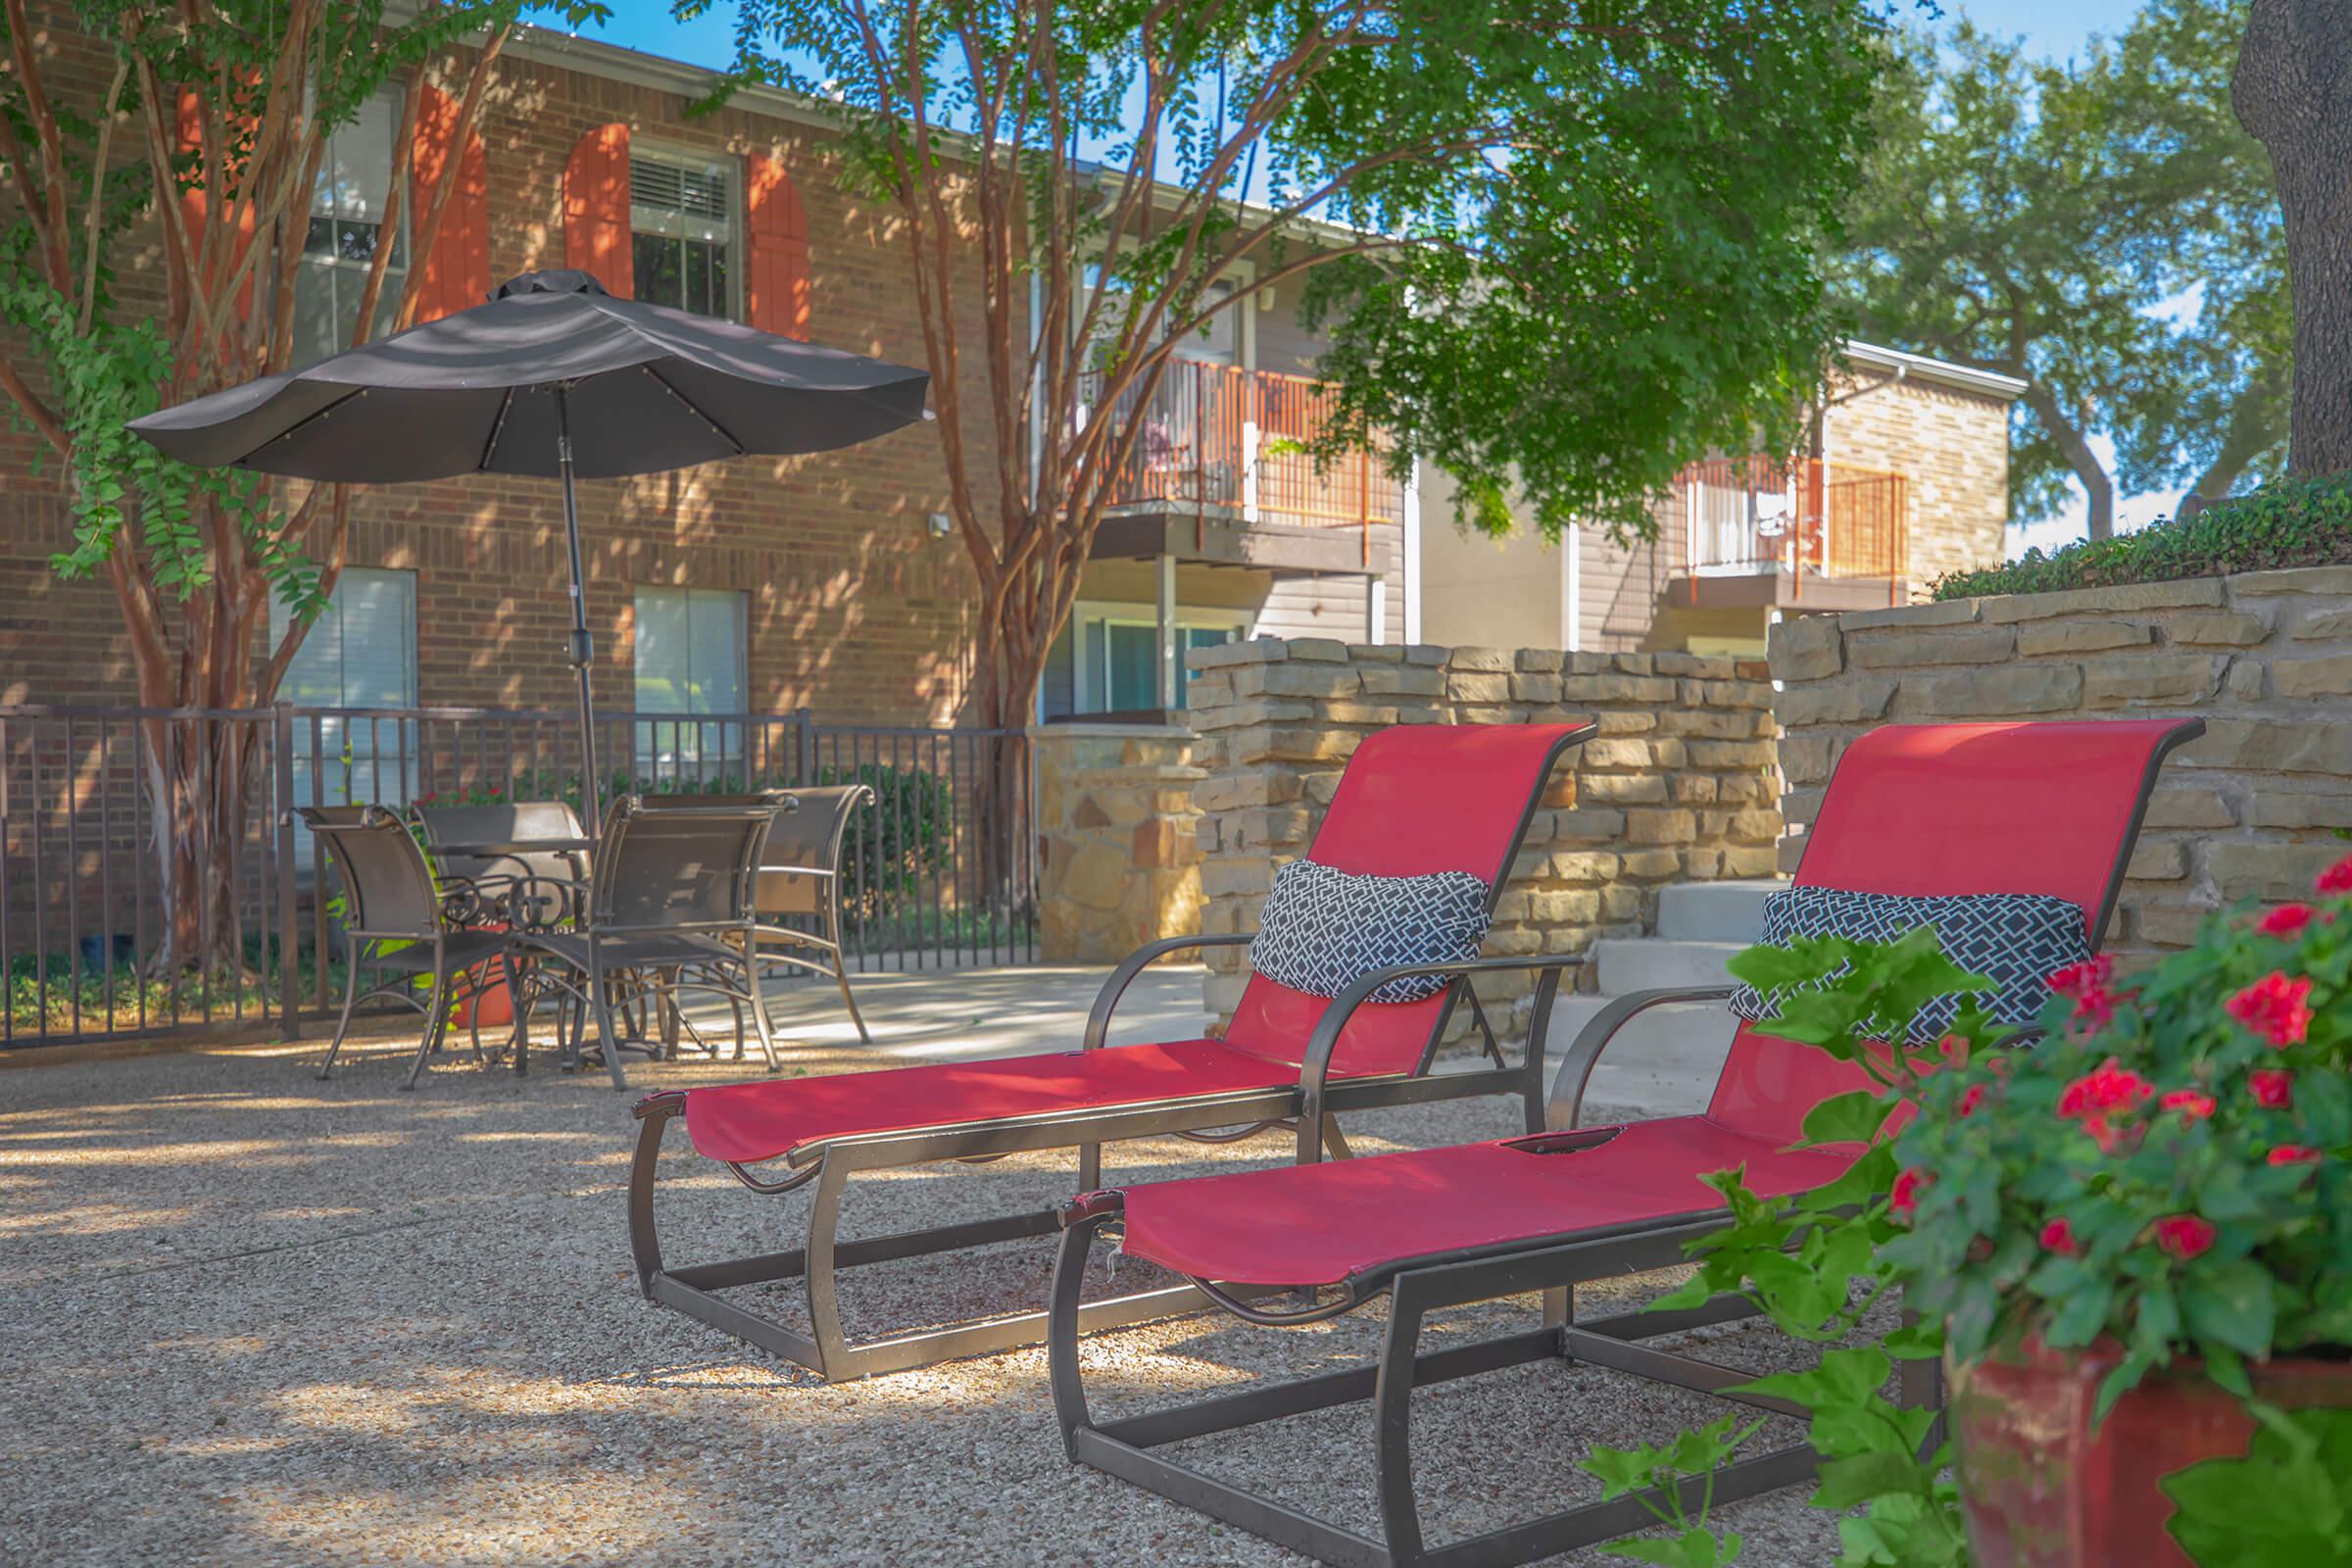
(259, 1319)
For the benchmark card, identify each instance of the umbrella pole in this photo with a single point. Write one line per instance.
(583, 647)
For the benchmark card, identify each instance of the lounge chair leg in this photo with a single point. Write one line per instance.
(1559, 1311)
(351, 1000)
(1334, 1139)
(1392, 1399)
(645, 1247)
(1061, 1331)
(824, 1307)
(1090, 1167)
(607, 1036)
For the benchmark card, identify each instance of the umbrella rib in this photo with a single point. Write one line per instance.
(725, 435)
(497, 428)
(298, 425)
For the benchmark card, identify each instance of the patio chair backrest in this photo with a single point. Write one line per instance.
(1957, 808)
(387, 886)
(1414, 800)
(675, 863)
(511, 822)
(804, 842)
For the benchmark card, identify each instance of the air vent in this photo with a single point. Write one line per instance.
(665, 187)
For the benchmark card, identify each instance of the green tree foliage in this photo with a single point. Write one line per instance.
(1570, 244)
(2104, 230)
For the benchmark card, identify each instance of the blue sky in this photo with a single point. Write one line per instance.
(2055, 28)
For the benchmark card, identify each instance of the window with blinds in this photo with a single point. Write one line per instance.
(359, 653)
(683, 231)
(346, 228)
(690, 663)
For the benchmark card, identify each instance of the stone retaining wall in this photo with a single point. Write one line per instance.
(1118, 864)
(2265, 658)
(1678, 785)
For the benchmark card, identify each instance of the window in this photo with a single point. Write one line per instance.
(346, 226)
(361, 652)
(690, 644)
(682, 232)
(1105, 661)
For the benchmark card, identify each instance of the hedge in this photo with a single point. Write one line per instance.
(2294, 523)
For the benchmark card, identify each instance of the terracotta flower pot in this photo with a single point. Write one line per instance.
(2043, 1489)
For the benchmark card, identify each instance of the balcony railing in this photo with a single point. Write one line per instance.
(1800, 515)
(1223, 442)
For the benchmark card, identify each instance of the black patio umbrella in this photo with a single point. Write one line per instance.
(551, 376)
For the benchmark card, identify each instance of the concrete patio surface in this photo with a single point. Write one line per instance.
(259, 1319)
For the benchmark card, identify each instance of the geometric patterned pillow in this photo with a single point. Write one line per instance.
(1322, 930)
(2016, 939)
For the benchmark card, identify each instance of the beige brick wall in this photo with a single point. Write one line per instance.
(1119, 860)
(1954, 446)
(2251, 809)
(1678, 785)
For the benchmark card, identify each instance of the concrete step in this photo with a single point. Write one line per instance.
(1664, 1063)
(1714, 912)
(1642, 963)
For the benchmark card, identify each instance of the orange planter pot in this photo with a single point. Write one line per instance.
(489, 1006)
(2043, 1489)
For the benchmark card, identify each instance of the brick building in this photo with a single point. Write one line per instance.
(756, 585)
(1907, 480)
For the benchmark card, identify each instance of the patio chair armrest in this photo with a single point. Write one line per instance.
(1098, 1022)
(1576, 1067)
(1316, 1068)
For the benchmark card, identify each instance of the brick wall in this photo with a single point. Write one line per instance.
(2251, 809)
(1954, 446)
(855, 609)
(1678, 784)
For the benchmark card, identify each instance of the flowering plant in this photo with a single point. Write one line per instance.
(2170, 1165)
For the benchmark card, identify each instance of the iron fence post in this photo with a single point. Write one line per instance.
(282, 797)
(804, 746)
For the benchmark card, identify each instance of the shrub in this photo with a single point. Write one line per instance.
(2294, 523)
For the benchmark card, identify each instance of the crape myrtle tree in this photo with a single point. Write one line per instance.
(157, 211)
(1559, 247)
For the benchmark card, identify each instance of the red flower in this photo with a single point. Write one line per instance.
(2087, 984)
(2285, 920)
(1971, 1098)
(2270, 1088)
(2059, 1237)
(2338, 878)
(2295, 1154)
(1903, 1200)
(2110, 1086)
(2273, 1008)
(2191, 1103)
(2184, 1236)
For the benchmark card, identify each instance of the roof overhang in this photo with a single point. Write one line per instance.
(1906, 366)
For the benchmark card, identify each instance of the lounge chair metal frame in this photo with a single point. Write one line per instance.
(1419, 1286)
(1312, 1104)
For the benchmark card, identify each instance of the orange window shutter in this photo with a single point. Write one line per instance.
(775, 290)
(194, 204)
(596, 209)
(455, 270)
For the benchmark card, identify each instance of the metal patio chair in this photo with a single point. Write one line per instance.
(668, 910)
(1414, 800)
(396, 922)
(801, 879)
(2046, 809)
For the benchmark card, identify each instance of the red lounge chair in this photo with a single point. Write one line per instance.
(2050, 808)
(1414, 800)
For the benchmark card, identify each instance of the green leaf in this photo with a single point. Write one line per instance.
(2231, 1305)
(1857, 1478)
(1849, 1118)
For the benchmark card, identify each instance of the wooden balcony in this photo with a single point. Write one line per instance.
(1760, 530)
(1220, 473)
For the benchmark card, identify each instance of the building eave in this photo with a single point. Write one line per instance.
(1906, 365)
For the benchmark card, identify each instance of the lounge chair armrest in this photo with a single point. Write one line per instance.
(1576, 1067)
(1098, 1022)
(1317, 1069)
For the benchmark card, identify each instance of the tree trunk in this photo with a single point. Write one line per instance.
(2292, 91)
(2076, 449)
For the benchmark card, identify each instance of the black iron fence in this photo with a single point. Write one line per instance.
(153, 878)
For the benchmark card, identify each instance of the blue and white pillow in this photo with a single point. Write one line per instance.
(2015, 939)
(1323, 929)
